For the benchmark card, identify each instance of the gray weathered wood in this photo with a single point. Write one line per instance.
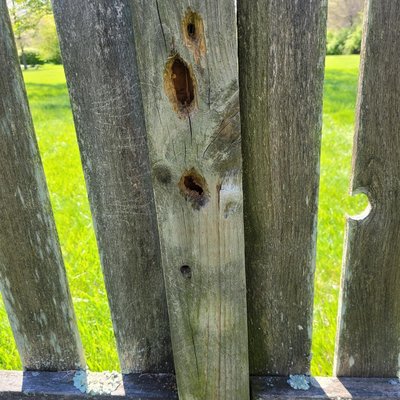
(32, 275)
(99, 56)
(187, 56)
(281, 62)
(369, 317)
(60, 385)
(268, 388)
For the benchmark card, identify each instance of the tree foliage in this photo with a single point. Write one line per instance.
(46, 40)
(26, 16)
(344, 13)
(345, 40)
(344, 27)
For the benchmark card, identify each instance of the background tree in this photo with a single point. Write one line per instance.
(46, 40)
(26, 16)
(344, 13)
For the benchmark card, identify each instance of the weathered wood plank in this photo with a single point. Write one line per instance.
(369, 317)
(188, 69)
(266, 388)
(60, 385)
(32, 275)
(100, 63)
(57, 386)
(281, 63)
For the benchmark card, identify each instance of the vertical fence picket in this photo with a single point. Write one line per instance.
(99, 57)
(281, 61)
(32, 275)
(369, 317)
(187, 56)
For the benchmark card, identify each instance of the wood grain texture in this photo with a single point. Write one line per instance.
(187, 56)
(60, 385)
(368, 341)
(32, 275)
(100, 63)
(281, 65)
(268, 388)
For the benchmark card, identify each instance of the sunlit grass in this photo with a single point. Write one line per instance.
(54, 127)
(341, 78)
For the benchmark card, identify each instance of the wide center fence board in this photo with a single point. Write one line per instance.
(187, 57)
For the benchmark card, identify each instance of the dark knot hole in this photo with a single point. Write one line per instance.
(192, 185)
(183, 83)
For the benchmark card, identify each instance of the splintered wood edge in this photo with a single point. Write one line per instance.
(266, 388)
(60, 385)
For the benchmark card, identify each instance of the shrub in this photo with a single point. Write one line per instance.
(47, 41)
(31, 58)
(352, 44)
(336, 41)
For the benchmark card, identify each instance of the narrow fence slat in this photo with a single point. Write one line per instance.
(187, 56)
(281, 63)
(32, 275)
(99, 57)
(369, 317)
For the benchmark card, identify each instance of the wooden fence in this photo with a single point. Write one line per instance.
(207, 280)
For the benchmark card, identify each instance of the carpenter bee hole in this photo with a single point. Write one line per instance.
(186, 271)
(194, 188)
(191, 185)
(193, 34)
(193, 27)
(179, 85)
(183, 83)
(191, 30)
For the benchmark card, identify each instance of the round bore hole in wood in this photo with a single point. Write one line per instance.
(193, 34)
(191, 29)
(186, 271)
(194, 188)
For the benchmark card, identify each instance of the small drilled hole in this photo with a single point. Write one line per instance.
(186, 271)
(191, 30)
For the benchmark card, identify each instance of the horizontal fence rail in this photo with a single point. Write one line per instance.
(59, 385)
(210, 285)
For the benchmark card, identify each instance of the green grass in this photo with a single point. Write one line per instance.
(341, 78)
(54, 127)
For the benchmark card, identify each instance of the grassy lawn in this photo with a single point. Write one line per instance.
(54, 127)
